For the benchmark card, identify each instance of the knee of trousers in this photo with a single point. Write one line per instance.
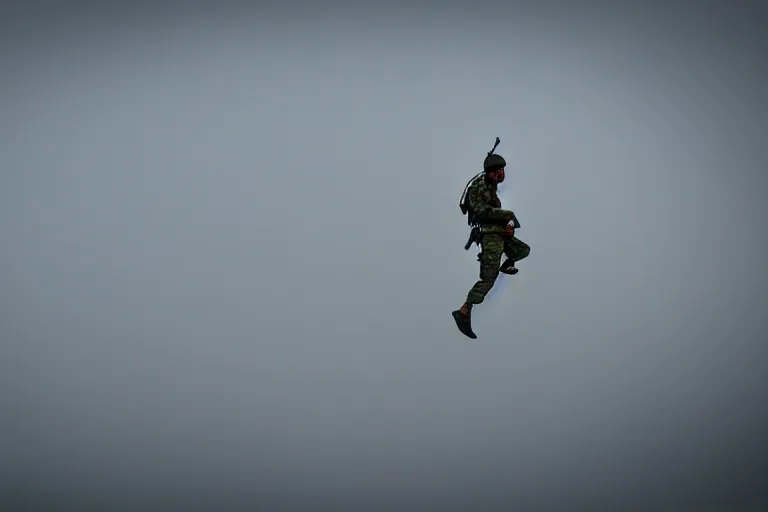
(478, 292)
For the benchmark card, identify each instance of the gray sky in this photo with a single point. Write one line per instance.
(231, 245)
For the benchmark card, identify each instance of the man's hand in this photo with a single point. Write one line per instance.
(509, 230)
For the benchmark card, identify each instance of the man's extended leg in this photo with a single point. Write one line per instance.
(515, 250)
(492, 247)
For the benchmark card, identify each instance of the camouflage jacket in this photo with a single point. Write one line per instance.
(484, 206)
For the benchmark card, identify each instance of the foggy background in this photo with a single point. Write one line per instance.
(231, 245)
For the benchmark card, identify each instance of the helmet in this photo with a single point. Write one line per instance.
(494, 163)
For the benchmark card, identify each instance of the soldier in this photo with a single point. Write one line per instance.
(496, 237)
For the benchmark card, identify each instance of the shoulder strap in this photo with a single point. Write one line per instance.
(465, 210)
(463, 200)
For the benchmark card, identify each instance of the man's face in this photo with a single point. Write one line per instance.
(498, 176)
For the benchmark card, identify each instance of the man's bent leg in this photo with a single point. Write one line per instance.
(515, 250)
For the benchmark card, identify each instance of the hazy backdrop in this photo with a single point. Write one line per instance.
(230, 246)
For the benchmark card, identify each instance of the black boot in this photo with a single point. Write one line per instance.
(463, 318)
(508, 267)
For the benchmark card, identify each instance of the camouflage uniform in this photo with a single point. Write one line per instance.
(485, 205)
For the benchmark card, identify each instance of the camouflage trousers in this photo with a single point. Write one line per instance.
(493, 245)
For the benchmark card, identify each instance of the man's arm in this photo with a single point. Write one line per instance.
(482, 210)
